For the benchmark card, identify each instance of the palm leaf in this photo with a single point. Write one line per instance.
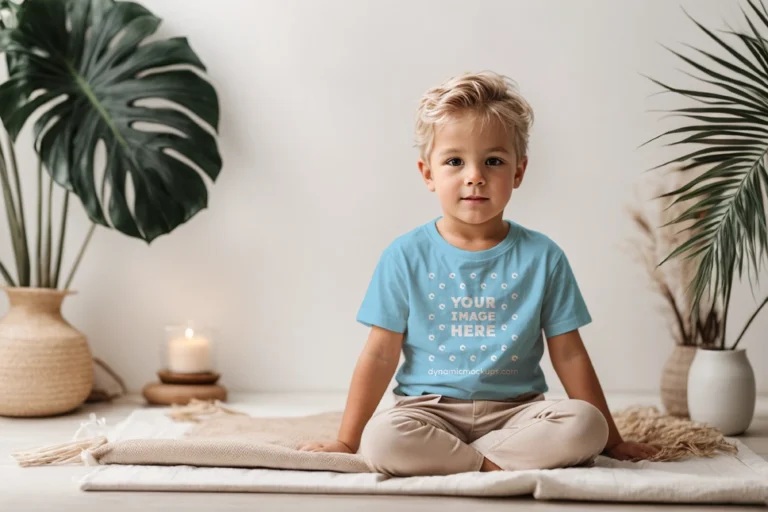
(80, 65)
(728, 136)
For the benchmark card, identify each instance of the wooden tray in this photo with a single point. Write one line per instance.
(169, 377)
(167, 394)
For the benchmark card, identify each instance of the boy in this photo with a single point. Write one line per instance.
(467, 297)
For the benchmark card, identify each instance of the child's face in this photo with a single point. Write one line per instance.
(466, 161)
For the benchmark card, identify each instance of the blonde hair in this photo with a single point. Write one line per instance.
(487, 95)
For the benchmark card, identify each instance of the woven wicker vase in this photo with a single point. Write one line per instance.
(45, 363)
(674, 381)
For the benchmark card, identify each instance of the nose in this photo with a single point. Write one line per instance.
(473, 176)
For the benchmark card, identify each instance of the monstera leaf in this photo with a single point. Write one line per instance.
(84, 67)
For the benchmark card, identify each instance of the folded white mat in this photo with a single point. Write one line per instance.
(740, 478)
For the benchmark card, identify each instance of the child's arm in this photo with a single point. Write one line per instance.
(573, 366)
(373, 372)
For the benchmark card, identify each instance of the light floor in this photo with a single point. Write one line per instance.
(54, 488)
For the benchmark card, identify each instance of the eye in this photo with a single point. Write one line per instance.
(493, 161)
(456, 161)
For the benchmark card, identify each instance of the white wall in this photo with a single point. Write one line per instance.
(318, 99)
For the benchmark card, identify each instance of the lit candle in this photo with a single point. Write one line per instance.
(189, 354)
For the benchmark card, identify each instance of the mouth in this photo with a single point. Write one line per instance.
(474, 199)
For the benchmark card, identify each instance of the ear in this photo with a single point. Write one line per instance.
(426, 174)
(520, 171)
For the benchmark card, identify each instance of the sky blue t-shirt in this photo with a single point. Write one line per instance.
(473, 320)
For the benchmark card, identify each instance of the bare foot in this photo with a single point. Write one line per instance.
(489, 466)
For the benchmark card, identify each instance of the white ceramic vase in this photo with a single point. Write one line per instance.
(722, 390)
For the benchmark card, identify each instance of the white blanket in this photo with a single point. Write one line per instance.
(722, 479)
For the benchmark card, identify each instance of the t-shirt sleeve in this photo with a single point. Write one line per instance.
(386, 301)
(563, 309)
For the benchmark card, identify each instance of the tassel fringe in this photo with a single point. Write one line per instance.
(78, 451)
(677, 438)
(67, 453)
(197, 410)
(64, 453)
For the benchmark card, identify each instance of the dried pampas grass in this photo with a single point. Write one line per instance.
(654, 242)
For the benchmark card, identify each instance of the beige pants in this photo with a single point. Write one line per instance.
(438, 435)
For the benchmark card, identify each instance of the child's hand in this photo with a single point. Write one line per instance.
(325, 446)
(630, 450)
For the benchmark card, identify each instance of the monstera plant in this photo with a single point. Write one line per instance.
(85, 70)
(124, 122)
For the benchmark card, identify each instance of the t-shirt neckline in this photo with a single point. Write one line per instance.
(485, 254)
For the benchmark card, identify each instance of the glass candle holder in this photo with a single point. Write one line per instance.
(189, 349)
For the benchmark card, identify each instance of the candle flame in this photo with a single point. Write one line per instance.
(189, 332)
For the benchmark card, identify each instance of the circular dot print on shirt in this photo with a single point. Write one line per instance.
(514, 317)
(503, 286)
(493, 358)
(472, 358)
(442, 327)
(431, 295)
(463, 348)
(451, 275)
(482, 286)
(503, 348)
(472, 275)
(504, 327)
(431, 358)
(441, 348)
(431, 275)
(514, 275)
(514, 296)
(514, 337)
(452, 358)
(503, 306)
(462, 286)
(442, 286)
(493, 275)
(431, 337)
(442, 306)
(431, 316)
(483, 347)
(514, 358)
